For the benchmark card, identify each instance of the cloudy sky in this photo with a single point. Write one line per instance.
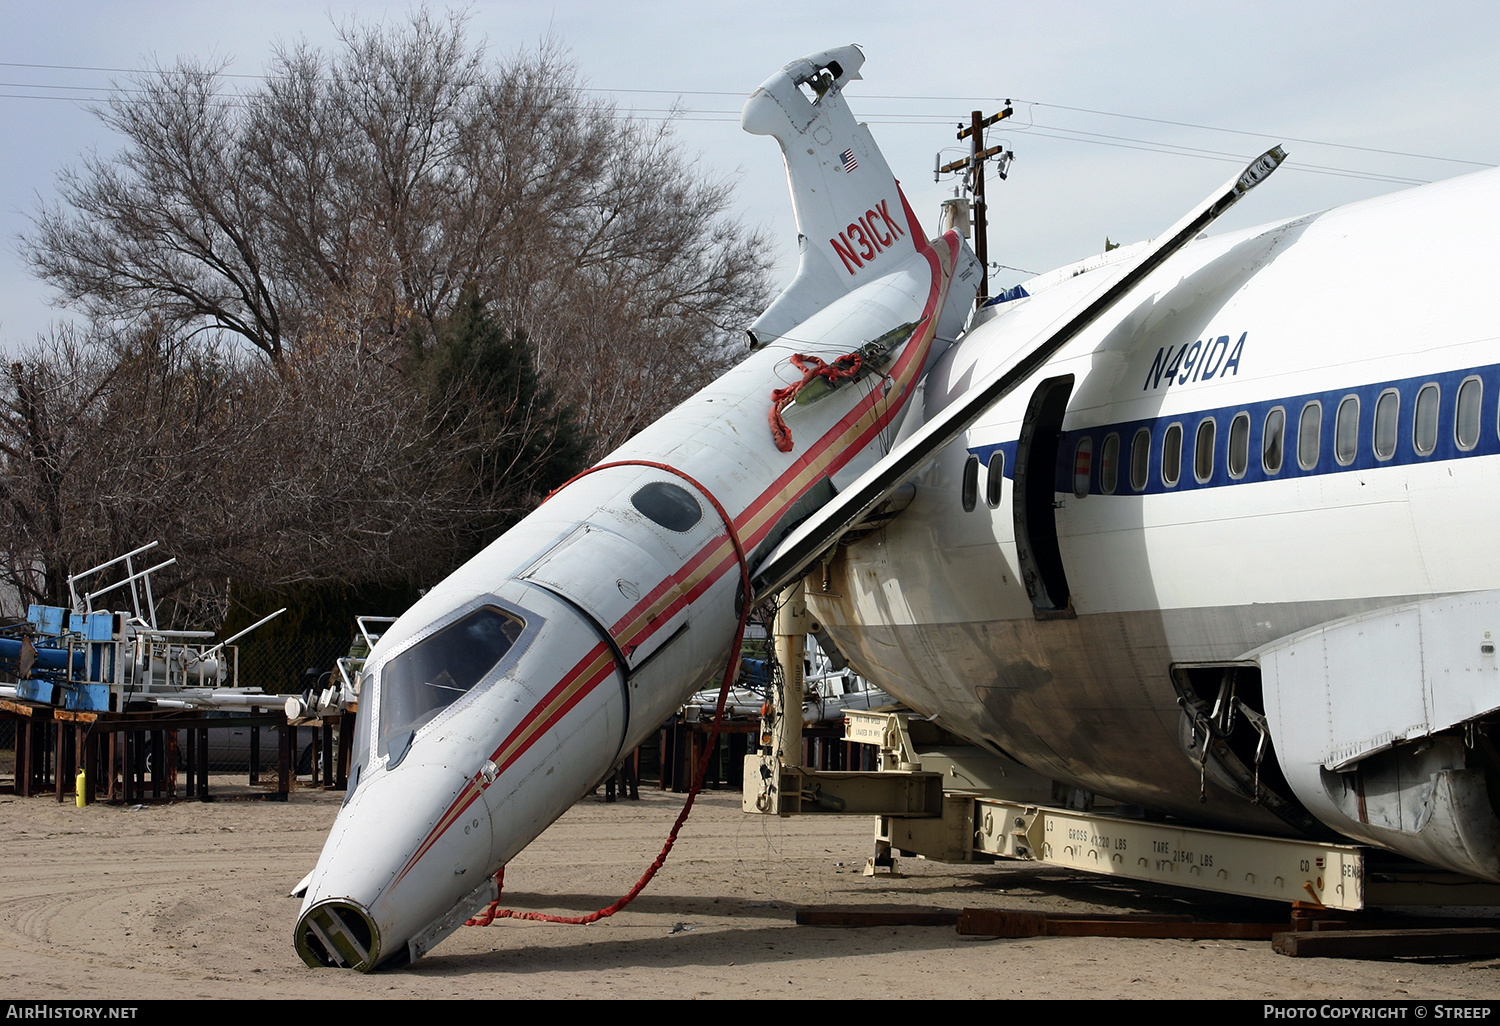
(1126, 113)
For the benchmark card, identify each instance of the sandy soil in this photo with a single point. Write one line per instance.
(190, 901)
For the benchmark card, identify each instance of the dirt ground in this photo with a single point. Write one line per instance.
(190, 901)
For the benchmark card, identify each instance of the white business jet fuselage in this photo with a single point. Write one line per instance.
(516, 685)
(1054, 616)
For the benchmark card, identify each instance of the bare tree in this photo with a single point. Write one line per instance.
(44, 436)
(373, 184)
(353, 322)
(340, 469)
(169, 228)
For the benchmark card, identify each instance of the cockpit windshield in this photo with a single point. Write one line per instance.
(434, 673)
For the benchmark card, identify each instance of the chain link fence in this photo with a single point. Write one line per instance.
(290, 665)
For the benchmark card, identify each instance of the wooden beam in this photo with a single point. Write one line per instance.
(1458, 941)
(987, 922)
(864, 917)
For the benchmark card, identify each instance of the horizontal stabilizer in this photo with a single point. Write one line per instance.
(846, 509)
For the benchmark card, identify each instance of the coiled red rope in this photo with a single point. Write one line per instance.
(494, 911)
(845, 366)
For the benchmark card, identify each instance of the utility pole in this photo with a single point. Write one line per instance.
(974, 164)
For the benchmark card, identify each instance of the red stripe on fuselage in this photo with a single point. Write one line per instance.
(811, 463)
(554, 705)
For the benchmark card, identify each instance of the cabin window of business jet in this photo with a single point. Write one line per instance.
(1346, 430)
(1424, 426)
(1309, 435)
(1466, 417)
(1387, 407)
(672, 506)
(1273, 441)
(1083, 466)
(438, 670)
(1171, 456)
(1239, 445)
(994, 478)
(1140, 459)
(971, 483)
(1203, 450)
(1109, 463)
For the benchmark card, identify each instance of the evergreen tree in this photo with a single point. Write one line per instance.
(484, 394)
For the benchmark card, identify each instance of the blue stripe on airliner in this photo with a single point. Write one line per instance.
(1446, 447)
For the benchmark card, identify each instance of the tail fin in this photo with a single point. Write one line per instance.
(853, 224)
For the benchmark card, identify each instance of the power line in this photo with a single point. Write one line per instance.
(117, 71)
(1125, 142)
(1258, 135)
(652, 113)
(100, 94)
(688, 115)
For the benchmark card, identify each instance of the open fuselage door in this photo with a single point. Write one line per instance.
(1035, 506)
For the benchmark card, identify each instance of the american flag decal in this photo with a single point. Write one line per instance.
(849, 162)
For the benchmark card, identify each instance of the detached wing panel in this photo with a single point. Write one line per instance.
(846, 509)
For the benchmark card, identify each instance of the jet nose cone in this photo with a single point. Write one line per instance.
(409, 845)
(483, 723)
(339, 934)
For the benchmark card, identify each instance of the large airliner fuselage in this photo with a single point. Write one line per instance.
(1298, 424)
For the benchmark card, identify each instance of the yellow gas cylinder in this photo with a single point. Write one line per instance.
(80, 788)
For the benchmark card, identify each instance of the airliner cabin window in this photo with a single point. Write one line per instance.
(971, 483)
(1171, 456)
(994, 478)
(1083, 465)
(1309, 428)
(1273, 441)
(1387, 407)
(1346, 430)
(1466, 419)
(1203, 450)
(1140, 459)
(1109, 464)
(1424, 427)
(1239, 445)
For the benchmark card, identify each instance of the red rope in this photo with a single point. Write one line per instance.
(811, 367)
(494, 911)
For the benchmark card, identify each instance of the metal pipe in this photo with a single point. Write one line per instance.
(363, 623)
(241, 634)
(104, 566)
(219, 701)
(89, 598)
